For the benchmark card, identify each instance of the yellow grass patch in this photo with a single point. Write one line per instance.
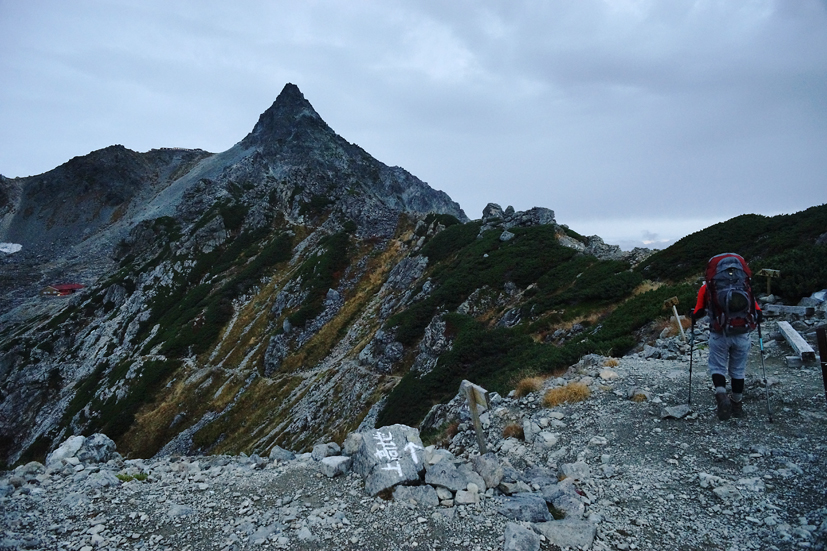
(513, 431)
(572, 392)
(646, 286)
(611, 362)
(529, 385)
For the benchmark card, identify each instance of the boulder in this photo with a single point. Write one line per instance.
(32, 468)
(530, 430)
(517, 487)
(280, 454)
(388, 457)
(67, 449)
(519, 538)
(467, 497)
(488, 467)
(525, 507)
(650, 352)
(546, 439)
(563, 496)
(102, 479)
(320, 451)
(675, 412)
(334, 465)
(445, 474)
(352, 443)
(578, 470)
(97, 448)
(492, 210)
(471, 476)
(575, 534)
(434, 456)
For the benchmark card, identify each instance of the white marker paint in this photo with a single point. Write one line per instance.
(397, 468)
(385, 447)
(411, 448)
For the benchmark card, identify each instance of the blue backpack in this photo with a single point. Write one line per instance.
(730, 300)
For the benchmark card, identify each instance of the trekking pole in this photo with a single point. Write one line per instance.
(764, 372)
(691, 356)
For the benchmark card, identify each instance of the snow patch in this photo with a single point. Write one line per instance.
(10, 248)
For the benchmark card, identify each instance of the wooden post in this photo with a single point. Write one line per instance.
(769, 274)
(821, 338)
(797, 342)
(476, 396)
(673, 303)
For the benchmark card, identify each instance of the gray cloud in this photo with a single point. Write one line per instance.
(632, 111)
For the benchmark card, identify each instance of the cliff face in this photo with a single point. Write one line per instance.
(273, 293)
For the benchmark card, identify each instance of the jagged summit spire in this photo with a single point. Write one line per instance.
(281, 121)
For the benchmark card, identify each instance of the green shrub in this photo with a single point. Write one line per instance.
(765, 242)
(320, 273)
(233, 216)
(496, 358)
(115, 416)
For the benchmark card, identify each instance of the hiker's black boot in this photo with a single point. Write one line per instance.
(737, 408)
(724, 406)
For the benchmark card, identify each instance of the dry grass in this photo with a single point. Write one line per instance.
(639, 397)
(514, 431)
(528, 385)
(646, 286)
(572, 392)
(452, 430)
(611, 362)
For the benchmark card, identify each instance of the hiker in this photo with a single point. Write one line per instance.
(726, 296)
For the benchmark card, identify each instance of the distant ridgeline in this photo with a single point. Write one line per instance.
(292, 288)
(795, 244)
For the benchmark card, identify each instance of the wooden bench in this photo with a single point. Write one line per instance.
(804, 350)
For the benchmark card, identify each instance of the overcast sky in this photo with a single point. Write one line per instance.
(637, 120)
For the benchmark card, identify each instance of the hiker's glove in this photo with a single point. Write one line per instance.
(699, 314)
(759, 315)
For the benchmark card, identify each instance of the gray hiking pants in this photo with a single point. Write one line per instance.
(728, 355)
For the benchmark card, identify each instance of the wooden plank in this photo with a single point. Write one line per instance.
(801, 347)
(480, 395)
(476, 395)
(782, 309)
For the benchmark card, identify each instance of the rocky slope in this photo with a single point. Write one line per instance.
(615, 469)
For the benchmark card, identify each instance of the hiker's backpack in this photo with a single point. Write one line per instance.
(729, 294)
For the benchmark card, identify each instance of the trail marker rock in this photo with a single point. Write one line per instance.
(389, 456)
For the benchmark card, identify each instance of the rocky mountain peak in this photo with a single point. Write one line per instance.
(289, 115)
